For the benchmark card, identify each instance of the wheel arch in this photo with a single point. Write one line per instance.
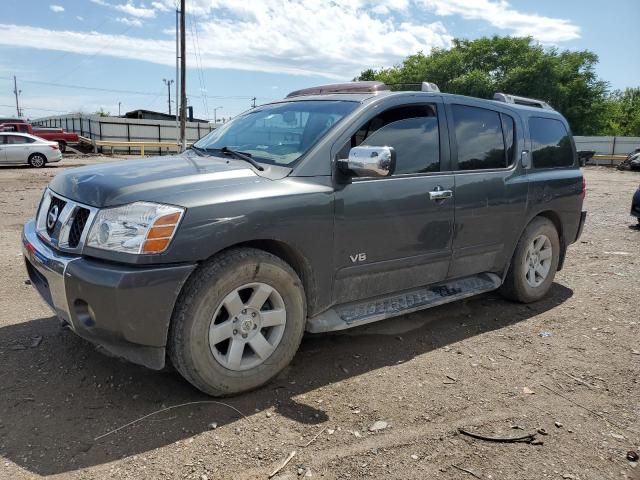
(290, 255)
(557, 222)
(295, 259)
(554, 218)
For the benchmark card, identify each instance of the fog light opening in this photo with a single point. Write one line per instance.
(83, 312)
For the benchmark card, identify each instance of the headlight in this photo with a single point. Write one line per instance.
(139, 227)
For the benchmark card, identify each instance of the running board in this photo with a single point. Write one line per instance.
(354, 314)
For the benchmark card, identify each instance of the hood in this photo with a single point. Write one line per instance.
(157, 179)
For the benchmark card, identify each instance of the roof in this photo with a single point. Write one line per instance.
(368, 96)
(22, 134)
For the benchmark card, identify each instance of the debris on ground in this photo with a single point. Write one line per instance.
(632, 456)
(524, 438)
(378, 425)
(544, 334)
(528, 391)
(284, 464)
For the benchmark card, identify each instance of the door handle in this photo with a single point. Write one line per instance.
(439, 194)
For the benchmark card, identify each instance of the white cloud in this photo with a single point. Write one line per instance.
(500, 14)
(133, 22)
(79, 18)
(334, 39)
(56, 8)
(160, 6)
(131, 9)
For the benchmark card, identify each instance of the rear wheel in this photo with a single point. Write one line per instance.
(238, 322)
(62, 145)
(37, 160)
(534, 263)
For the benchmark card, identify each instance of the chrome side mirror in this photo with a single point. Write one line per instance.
(367, 161)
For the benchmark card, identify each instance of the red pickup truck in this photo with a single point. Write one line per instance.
(51, 134)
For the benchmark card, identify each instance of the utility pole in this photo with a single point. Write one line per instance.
(215, 118)
(183, 76)
(168, 84)
(253, 102)
(17, 94)
(119, 104)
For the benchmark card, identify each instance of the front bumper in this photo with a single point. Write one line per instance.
(125, 309)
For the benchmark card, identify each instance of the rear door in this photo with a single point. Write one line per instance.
(389, 235)
(490, 185)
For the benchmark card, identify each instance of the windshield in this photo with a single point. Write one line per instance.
(278, 134)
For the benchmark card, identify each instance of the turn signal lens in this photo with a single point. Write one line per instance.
(170, 219)
(160, 234)
(156, 246)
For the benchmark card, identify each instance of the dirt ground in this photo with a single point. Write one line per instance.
(480, 364)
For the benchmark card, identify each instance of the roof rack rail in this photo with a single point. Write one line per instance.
(348, 87)
(429, 87)
(517, 100)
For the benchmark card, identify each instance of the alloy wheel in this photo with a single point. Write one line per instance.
(247, 327)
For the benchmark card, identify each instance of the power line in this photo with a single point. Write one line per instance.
(97, 52)
(131, 92)
(196, 48)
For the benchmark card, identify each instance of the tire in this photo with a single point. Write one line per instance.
(520, 284)
(62, 145)
(37, 160)
(205, 314)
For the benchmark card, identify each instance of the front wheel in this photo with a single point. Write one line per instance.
(62, 145)
(238, 322)
(534, 263)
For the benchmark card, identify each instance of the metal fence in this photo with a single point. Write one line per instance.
(608, 145)
(95, 127)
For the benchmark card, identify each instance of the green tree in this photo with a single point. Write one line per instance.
(622, 113)
(103, 113)
(520, 66)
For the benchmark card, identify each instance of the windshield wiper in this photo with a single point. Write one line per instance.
(201, 152)
(242, 156)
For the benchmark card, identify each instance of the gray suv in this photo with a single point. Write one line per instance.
(335, 207)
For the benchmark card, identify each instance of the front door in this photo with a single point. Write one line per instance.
(390, 234)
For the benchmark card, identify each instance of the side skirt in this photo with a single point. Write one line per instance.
(358, 313)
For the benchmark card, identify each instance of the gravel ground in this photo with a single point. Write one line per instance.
(480, 364)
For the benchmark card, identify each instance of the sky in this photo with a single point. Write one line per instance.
(88, 55)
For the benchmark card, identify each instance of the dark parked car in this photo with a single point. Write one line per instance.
(635, 206)
(335, 207)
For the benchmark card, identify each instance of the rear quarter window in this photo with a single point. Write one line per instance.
(550, 143)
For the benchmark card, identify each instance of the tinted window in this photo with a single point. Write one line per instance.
(551, 145)
(509, 131)
(16, 139)
(413, 133)
(479, 138)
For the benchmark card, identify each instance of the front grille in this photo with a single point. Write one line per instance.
(60, 204)
(77, 227)
(73, 219)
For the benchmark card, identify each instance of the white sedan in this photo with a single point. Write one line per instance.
(22, 148)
